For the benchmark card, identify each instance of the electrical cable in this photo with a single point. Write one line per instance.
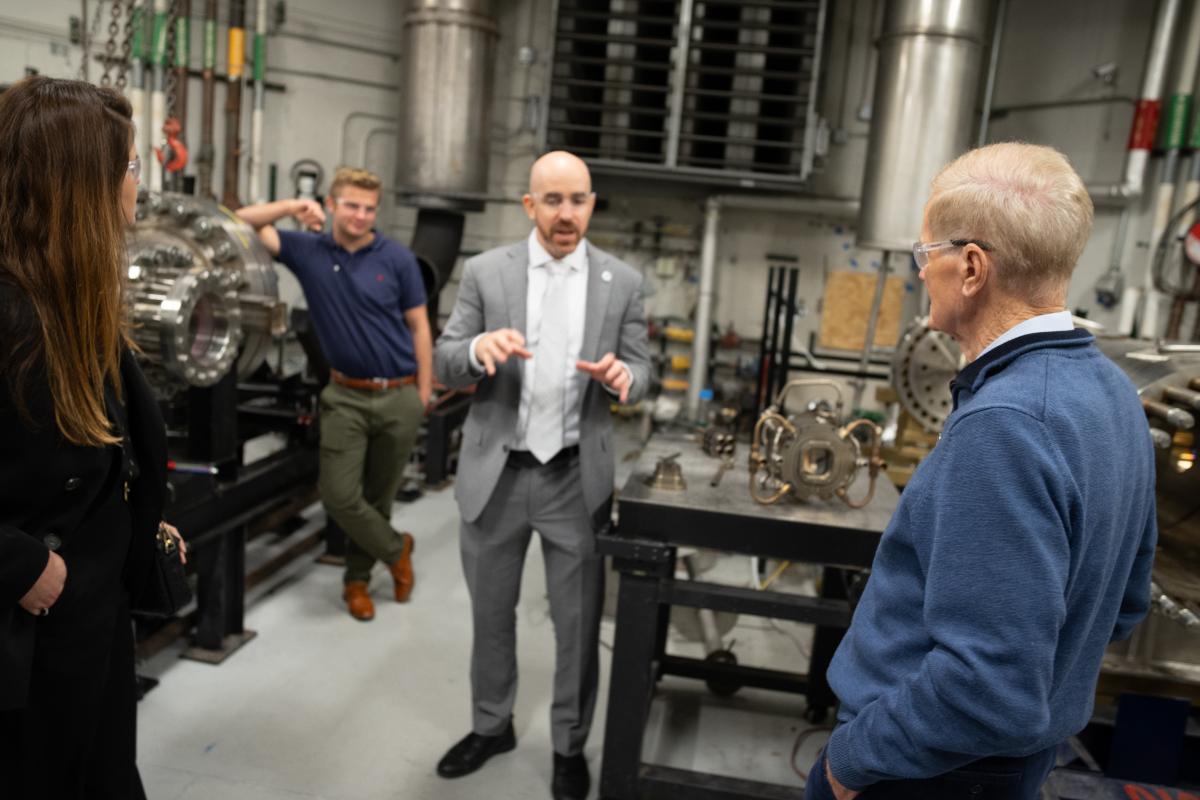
(1158, 266)
(802, 737)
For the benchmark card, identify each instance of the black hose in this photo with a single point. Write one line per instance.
(1158, 266)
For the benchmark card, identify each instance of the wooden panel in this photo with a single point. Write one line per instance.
(846, 310)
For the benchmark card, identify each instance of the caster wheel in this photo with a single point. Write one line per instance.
(722, 687)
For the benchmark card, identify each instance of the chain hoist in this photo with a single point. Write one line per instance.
(171, 89)
(127, 44)
(173, 155)
(110, 46)
(89, 34)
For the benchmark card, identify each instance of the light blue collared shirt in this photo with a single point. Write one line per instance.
(1042, 323)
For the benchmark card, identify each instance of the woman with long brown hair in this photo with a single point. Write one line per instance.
(82, 448)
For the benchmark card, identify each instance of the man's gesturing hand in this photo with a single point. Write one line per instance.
(495, 347)
(609, 371)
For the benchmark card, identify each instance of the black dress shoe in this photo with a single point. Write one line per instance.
(473, 751)
(571, 779)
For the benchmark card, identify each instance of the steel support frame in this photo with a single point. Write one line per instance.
(648, 590)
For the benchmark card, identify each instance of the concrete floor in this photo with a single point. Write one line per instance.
(322, 706)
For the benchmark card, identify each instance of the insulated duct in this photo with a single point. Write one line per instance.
(443, 144)
(930, 59)
(435, 243)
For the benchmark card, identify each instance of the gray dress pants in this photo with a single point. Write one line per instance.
(548, 499)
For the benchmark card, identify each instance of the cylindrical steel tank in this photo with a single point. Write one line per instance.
(446, 97)
(930, 57)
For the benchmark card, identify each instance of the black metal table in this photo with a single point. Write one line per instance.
(653, 523)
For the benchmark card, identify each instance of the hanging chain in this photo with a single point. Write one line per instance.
(127, 44)
(90, 31)
(171, 58)
(110, 46)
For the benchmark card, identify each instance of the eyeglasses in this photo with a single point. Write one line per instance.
(355, 208)
(921, 250)
(555, 200)
(135, 169)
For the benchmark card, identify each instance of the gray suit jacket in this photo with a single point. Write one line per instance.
(491, 295)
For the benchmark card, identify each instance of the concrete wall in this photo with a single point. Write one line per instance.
(345, 110)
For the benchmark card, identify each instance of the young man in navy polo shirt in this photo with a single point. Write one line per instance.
(367, 305)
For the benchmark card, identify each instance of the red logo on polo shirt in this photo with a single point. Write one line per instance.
(379, 277)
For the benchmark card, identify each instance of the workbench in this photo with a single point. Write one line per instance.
(652, 524)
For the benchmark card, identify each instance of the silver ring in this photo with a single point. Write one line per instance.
(45, 612)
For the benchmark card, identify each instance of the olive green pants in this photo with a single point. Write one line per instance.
(366, 437)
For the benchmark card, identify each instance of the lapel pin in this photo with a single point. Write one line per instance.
(606, 276)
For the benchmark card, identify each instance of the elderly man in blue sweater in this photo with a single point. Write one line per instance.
(1023, 544)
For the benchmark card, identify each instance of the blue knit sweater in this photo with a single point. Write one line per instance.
(1021, 547)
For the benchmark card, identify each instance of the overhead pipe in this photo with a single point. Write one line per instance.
(233, 102)
(183, 60)
(989, 90)
(158, 89)
(698, 379)
(208, 102)
(256, 119)
(1148, 110)
(1175, 129)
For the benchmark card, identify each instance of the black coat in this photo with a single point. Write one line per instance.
(49, 487)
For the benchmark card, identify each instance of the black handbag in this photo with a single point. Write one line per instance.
(167, 590)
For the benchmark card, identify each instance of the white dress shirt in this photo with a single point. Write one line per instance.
(575, 281)
(1042, 323)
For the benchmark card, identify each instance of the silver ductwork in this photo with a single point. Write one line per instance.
(926, 86)
(202, 292)
(446, 94)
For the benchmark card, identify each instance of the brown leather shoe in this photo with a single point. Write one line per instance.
(358, 601)
(402, 570)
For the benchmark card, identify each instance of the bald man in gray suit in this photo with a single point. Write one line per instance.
(553, 331)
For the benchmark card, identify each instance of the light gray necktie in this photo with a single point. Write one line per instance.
(545, 432)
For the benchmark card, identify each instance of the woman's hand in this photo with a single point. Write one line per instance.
(173, 532)
(49, 586)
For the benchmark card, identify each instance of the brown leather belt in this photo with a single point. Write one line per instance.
(370, 384)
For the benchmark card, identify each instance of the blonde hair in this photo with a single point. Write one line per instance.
(1024, 200)
(352, 176)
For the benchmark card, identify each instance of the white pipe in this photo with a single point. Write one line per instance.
(139, 98)
(1136, 159)
(1165, 194)
(708, 269)
(158, 98)
(256, 118)
(831, 207)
